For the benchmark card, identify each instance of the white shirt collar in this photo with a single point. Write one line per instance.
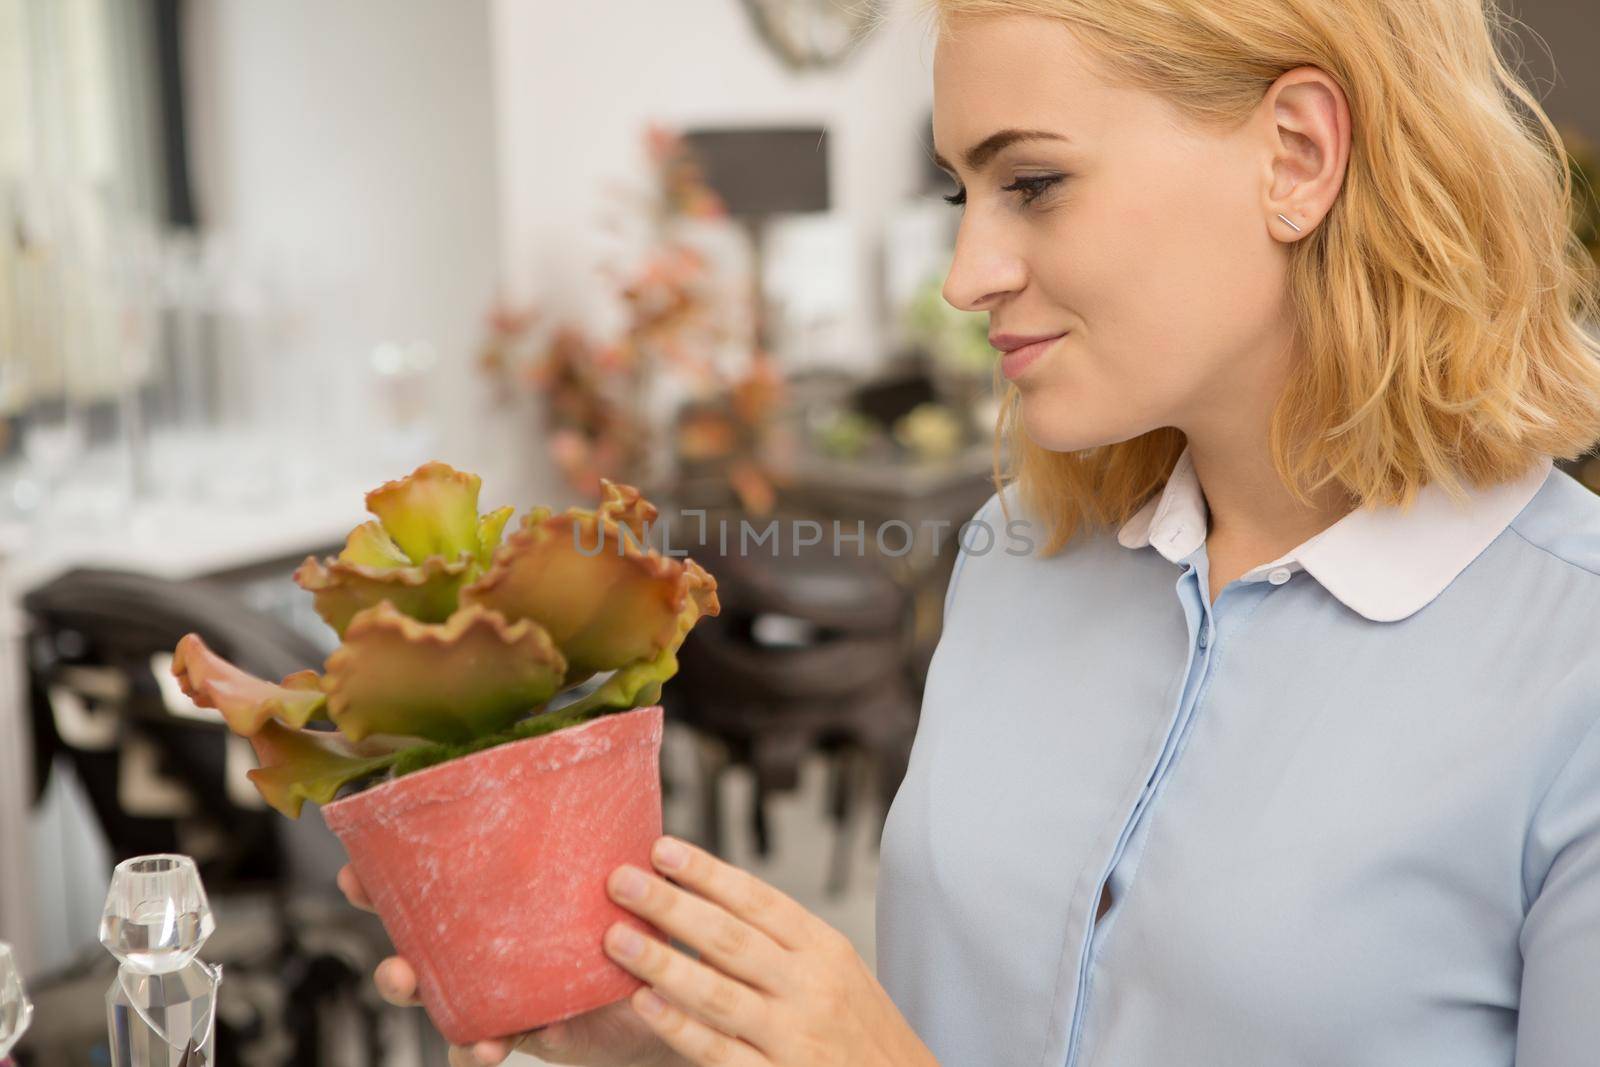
(1382, 563)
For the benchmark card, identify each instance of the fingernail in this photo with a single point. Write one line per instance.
(625, 941)
(628, 883)
(384, 979)
(671, 854)
(552, 1037)
(648, 1004)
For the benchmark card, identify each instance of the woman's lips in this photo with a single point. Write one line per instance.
(1017, 360)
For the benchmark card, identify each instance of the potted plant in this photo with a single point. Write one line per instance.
(482, 795)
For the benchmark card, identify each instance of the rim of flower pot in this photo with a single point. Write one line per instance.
(347, 804)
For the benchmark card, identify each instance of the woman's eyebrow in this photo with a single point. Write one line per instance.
(978, 156)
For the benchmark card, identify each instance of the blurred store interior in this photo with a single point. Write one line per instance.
(259, 257)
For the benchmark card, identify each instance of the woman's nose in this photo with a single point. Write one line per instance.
(981, 273)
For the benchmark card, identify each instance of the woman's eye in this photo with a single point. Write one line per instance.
(1030, 188)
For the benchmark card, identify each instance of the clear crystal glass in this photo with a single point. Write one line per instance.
(156, 915)
(161, 1009)
(163, 1020)
(15, 1011)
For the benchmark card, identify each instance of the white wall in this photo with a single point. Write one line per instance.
(577, 83)
(352, 145)
(398, 158)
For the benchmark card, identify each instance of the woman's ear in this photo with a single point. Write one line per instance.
(1306, 121)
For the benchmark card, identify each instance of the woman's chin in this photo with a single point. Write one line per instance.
(1065, 428)
(1054, 428)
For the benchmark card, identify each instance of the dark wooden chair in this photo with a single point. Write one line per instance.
(808, 654)
(163, 776)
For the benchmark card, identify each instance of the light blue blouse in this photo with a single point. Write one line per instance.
(1350, 812)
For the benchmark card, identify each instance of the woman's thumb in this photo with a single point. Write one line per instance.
(553, 1038)
(550, 1041)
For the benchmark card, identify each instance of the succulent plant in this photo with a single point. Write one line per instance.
(455, 636)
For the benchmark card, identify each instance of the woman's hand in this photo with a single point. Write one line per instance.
(774, 984)
(613, 1036)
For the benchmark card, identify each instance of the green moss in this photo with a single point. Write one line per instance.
(415, 759)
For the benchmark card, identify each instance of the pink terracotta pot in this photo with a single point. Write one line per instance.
(489, 871)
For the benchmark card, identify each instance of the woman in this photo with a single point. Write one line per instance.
(1282, 748)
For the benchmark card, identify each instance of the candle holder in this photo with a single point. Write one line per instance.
(15, 1011)
(161, 1009)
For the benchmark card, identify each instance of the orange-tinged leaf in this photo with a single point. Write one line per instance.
(473, 675)
(299, 765)
(427, 592)
(623, 503)
(245, 701)
(604, 599)
(640, 682)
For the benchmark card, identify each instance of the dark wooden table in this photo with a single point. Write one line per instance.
(931, 498)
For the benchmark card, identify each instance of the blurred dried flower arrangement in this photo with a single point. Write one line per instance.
(594, 391)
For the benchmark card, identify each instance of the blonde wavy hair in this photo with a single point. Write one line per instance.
(1441, 304)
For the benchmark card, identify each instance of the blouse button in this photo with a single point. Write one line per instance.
(1205, 636)
(1279, 576)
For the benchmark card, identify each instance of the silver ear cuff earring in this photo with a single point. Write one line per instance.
(1290, 221)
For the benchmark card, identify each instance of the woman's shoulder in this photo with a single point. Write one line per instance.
(1001, 549)
(1006, 526)
(1563, 521)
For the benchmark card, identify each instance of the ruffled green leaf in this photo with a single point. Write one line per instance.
(433, 511)
(606, 598)
(470, 676)
(370, 546)
(246, 702)
(340, 589)
(632, 686)
(428, 543)
(638, 684)
(298, 765)
(490, 527)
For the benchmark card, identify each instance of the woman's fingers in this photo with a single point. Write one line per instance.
(394, 976)
(606, 1037)
(396, 982)
(462, 1057)
(691, 1038)
(354, 891)
(732, 1007)
(741, 893)
(729, 944)
(489, 1052)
